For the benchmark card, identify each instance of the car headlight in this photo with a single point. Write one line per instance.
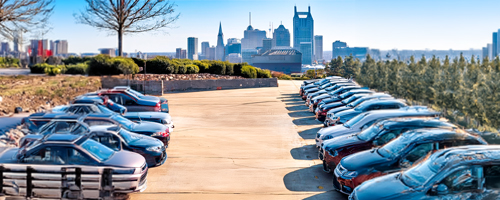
(327, 137)
(350, 174)
(156, 149)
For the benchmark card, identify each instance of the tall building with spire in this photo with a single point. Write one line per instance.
(303, 30)
(252, 38)
(219, 49)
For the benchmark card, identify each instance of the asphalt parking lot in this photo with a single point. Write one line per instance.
(241, 144)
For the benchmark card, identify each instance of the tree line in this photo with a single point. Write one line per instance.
(467, 92)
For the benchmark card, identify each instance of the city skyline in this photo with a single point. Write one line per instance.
(382, 25)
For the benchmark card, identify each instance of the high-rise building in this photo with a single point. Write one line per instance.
(306, 50)
(204, 46)
(318, 48)
(180, 53)
(252, 38)
(303, 30)
(267, 44)
(339, 44)
(210, 53)
(18, 40)
(485, 52)
(60, 47)
(490, 51)
(5, 48)
(192, 50)
(219, 49)
(246, 55)
(234, 58)
(281, 37)
(495, 44)
(341, 49)
(233, 46)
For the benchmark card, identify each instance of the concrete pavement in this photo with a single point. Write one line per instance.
(241, 144)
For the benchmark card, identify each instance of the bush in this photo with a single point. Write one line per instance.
(80, 68)
(218, 67)
(202, 66)
(38, 68)
(125, 65)
(192, 69)
(229, 68)
(53, 70)
(248, 71)
(159, 65)
(105, 65)
(284, 77)
(73, 60)
(237, 69)
(263, 73)
(182, 69)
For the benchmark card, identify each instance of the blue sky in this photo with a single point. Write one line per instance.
(382, 24)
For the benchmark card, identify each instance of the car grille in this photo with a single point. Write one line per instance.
(143, 178)
(144, 167)
(341, 170)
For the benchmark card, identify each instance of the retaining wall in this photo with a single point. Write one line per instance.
(160, 87)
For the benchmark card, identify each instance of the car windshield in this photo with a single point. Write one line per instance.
(105, 110)
(350, 99)
(418, 175)
(369, 133)
(357, 102)
(129, 136)
(394, 147)
(355, 120)
(135, 93)
(100, 151)
(123, 121)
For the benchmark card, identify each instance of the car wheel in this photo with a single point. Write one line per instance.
(326, 168)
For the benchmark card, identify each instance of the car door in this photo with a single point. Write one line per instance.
(461, 183)
(416, 153)
(107, 139)
(131, 103)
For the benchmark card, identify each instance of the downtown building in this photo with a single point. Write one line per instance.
(219, 49)
(204, 49)
(281, 37)
(192, 51)
(233, 48)
(279, 59)
(341, 49)
(318, 48)
(180, 53)
(303, 34)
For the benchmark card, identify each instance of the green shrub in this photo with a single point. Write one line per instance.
(192, 69)
(105, 65)
(139, 62)
(53, 70)
(203, 66)
(263, 73)
(80, 68)
(125, 65)
(284, 77)
(248, 71)
(182, 69)
(229, 68)
(159, 65)
(73, 60)
(217, 67)
(237, 69)
(38, 68)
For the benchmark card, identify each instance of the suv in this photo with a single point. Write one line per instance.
(378, 134)
(346, 115)
(467, 172)
(397, 155)
(372, 97)
(365, 120)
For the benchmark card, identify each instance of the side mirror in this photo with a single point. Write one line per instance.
(123, 111)
(440, 189)
(375, 142)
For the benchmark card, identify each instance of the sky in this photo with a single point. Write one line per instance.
(377, 24)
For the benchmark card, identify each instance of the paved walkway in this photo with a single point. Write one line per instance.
(241, 144)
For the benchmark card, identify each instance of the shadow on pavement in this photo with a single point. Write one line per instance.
(308, 152)
(309, 133)
(298, 114)
(332, 194)
(297, 108)
(306, 121)
(311, 179)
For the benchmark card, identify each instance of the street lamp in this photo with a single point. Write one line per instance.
(144, 78)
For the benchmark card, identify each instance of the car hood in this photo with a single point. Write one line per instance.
(311, 90)
(333, 105)
(145, 142)
(339, 109)
(9, 155)
(148, 115)
(342, 141)
(335, 131)
(391, 185)
(363, 160)
(147, 102)
(126, 159)
(149, 127)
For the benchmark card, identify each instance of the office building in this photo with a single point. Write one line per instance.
(108, 51)
(490, 51)
(5, 49)
(341, 49)
(306, 50)
(318, 48)
(339, 44)
(233, 46)
(60, 48)
(234, 58)
(180, 53)
(497, 52)
(192, 51)
(303, 30)
(252, 38)
(485, 52)
(495, 44)
(246, 55)
(18, 41)
(281, 37)
(204, 46)
(286, 60)
(219, 49)
(267, 44)
(210, 53)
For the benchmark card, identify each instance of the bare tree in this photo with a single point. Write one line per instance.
(21, 15)
(128, 16)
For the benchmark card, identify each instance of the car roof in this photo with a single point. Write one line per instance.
(100, 115)
(159, 115)
(63, 138)
(415, 122)
(471, 154)
(381, 101)
(433, 134)
(104, 128)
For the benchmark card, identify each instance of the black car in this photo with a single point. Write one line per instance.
(58, 166)
(467, 172)
(113, 106)
(401, 153)
(386, 104)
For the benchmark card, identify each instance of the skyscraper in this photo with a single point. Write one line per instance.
(180, 53)
(18, 40)
(281, 37)
(495, 44)
(303, 30)
(204, 46)
(219, 49)
(60, 47)
(318, 47)
(192, 50)
(306, 49)
(252, 38)
(5, 48)
(267, 44)
(233, 46)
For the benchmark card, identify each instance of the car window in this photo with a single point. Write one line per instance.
(387, 136)
(60, 127)
(418, 152)
(98, 150)
(454, 143)
(94, 122)
(128, 101)
(109, 140)
(79, 130)
(76, 157)
(492, 177)
(116, 98)
(460, 180)
(47, 155)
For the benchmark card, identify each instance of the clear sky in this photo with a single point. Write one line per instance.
(382, 24)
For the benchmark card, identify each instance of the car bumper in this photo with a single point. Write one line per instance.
(165, 140)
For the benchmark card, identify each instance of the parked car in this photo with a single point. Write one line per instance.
(112, 136)
(163, 100)
(399, 154)
(132, 102)
(156, 130)
(100, 101)
(346, 115)
(313, 102)
(157, 117)
(376, 135)
(321, 112)
(31, 171)
(333, 88)
(328, 92)
(315, 87)
(466, 172)
(365, 120)
(331, 113)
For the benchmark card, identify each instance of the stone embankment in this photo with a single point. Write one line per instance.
(177, 77)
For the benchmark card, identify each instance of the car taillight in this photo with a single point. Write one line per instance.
(158, 107)
(167, 132)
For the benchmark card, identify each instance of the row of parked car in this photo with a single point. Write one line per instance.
(378, 147)
(90, 148)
